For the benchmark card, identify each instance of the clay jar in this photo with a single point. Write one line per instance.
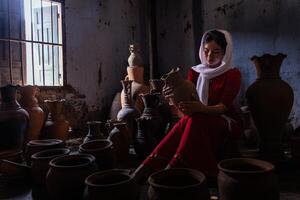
(65, 178)
(247, 179)
(35, 146)
(14, 155)
(112, 184)
(56, 127)
(135, 73)
(94, 131)
(178, 183)
(102, 150)
(36, 114)
(40, 163)
(270, 101)
(128, 113)
(183, 90)
(13, 120)
(120, 137)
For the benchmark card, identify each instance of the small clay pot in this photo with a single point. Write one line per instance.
(102, 150)
(65, 178)
(112, 184)
(35, 146)
(178, 184)
(40, 163)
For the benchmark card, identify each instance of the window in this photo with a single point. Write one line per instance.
(31, 42)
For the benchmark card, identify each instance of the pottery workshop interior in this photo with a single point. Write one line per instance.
(149, 99)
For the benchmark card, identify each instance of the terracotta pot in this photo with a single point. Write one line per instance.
(128, 113)
(94, 131)
(56, 127)
(40, 163)
(35, 146)
(270, 101)
(102, 150)
(247, 179)
(36, 114)
(112, 184)
(121, 139)
(183, 90)
(135, 59)
(180, 183)
(65, 178)
(13, 120)
(14, 155)
(115, 106)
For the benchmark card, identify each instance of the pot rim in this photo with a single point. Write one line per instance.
(94, 176)
(200, 177)
(265, 166)
(108, 145)
(88, 157)
(44, 142)
(37, 156)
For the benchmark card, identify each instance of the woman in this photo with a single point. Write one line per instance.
(197, 138)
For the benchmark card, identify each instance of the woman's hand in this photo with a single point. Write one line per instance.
(191, 107)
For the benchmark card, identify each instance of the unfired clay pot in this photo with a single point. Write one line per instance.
(247, 179)
(270, 101)
(56, 127)
(178, 184)
(36, 114)
(13, 120)
(183, 90)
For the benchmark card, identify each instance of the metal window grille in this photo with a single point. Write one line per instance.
(31, 42)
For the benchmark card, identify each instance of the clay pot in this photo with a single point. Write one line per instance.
(40, 163)
(102, 150)
(112, 184)
(180, 183)
(270, 101)
(94, 131)
(135, 73)
(128, 113)
(13, 120)
(35, 146)
(14, 155)
(65, 178)
(115, 106)
(56, 127)
(183, 90)
(36, 114)
(121, 139)
(247, 179)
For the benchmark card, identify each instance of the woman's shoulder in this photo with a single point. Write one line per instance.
(234, 72)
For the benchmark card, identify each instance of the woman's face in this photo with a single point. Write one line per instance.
(213, 54)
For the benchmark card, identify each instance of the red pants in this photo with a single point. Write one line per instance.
(194, 142)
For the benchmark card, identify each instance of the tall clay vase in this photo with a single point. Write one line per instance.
(114, 184)
(13, 120)
(56, 127)
(94, 131)
(247, 179)
(128, 113)
(66, 176)
(183, 90)
(135, 73)
(121, 139)
(36, 114)
(178, 184)
(149, 125)
(270, 101)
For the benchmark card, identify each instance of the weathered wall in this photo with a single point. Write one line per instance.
(98, 33)
(175, 38)
(261, 26)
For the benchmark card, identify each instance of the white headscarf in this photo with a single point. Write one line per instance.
(207, 73)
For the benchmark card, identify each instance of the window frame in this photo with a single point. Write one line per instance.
(21, 41)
